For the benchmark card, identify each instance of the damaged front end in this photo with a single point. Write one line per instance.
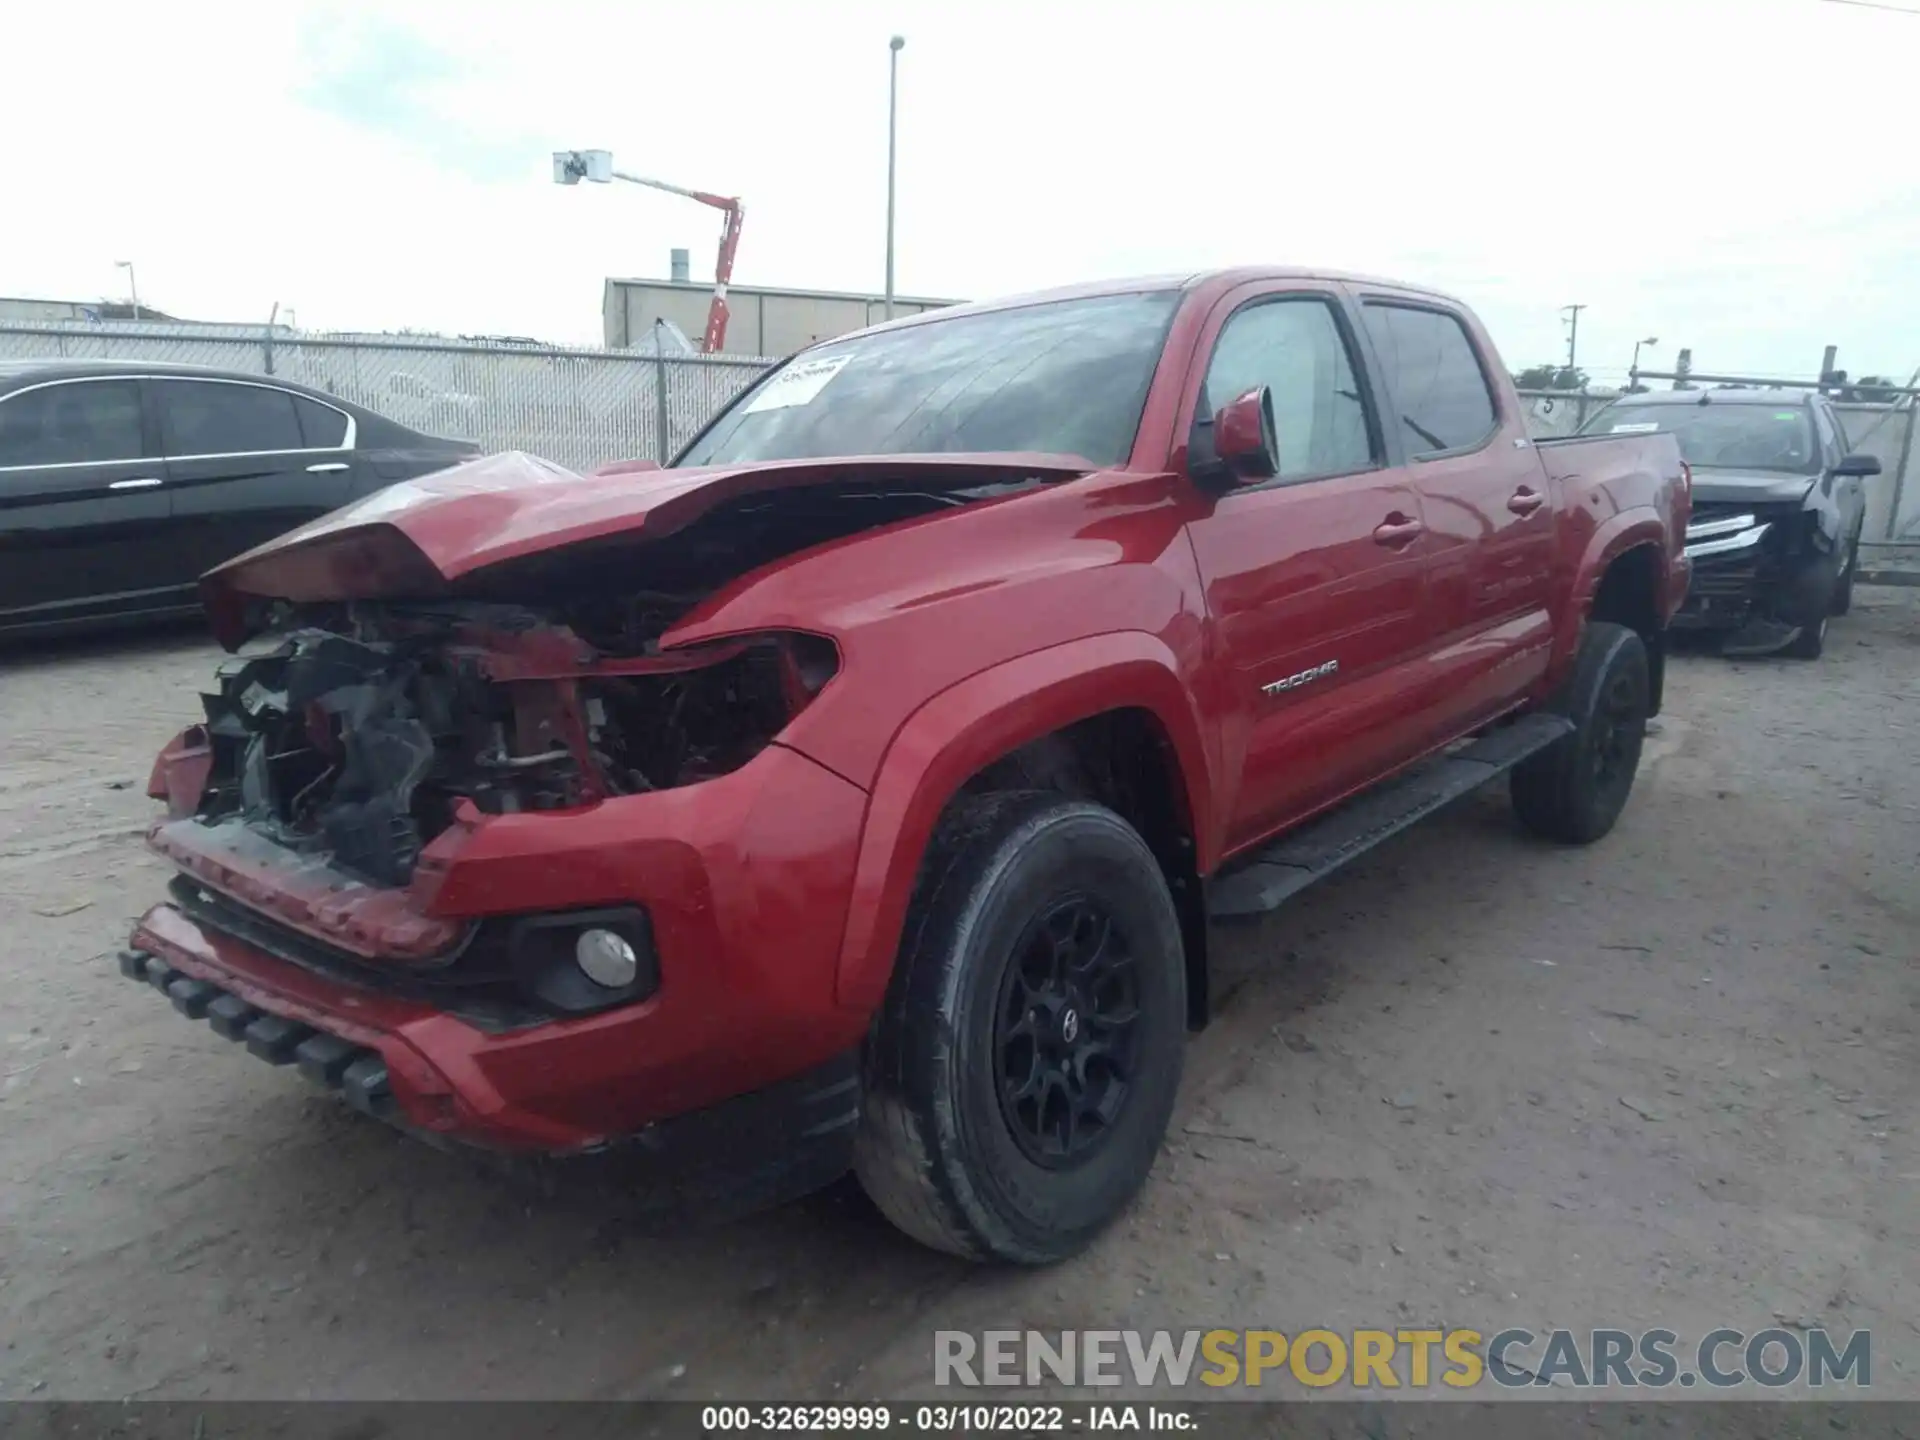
(452, 854)
(482, 792)
(347, 756)
(361, 743)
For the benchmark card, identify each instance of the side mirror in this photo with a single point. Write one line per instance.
(1244, 443)
(1857, 464)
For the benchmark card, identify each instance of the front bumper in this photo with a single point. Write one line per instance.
(769, 1144)
(1752, 563)
(745, 879)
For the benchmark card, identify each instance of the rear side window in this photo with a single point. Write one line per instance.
(202, 418)
(1436, 380)
(321, 426)
(89, 420)
(1295, 349)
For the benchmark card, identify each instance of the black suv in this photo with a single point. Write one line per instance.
(1778, 503)
(120, 483)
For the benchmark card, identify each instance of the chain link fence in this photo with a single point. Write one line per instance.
(581, 408)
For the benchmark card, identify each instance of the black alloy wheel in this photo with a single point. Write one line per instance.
(1066, 1032)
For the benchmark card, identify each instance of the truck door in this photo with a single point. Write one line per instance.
(1489, 509)
(1315, 580)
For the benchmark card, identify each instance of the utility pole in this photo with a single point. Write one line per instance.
(133, 286)
(1573, 331)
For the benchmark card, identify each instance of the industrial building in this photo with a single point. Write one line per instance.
(763, 321)
(55, 312)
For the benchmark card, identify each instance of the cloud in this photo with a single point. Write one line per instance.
(388, 79)
(384, 163)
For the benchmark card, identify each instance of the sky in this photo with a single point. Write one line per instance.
(1736, 176)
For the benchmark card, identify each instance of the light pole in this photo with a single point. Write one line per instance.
(893, 110)
(1633, 371)
(132, 287)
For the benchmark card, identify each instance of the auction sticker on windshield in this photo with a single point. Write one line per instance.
(797, 384)
(1640, 427)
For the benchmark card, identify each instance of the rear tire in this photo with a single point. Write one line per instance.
(1024, 1067)
(1574, 790)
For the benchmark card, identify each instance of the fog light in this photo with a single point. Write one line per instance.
(606, 958)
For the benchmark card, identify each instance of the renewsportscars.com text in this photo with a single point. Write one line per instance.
(1404, 1358)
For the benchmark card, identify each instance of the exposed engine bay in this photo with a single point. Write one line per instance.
(355, 729)
(361, 738)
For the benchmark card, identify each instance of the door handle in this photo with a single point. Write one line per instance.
(327, 466)
(1396, 531)
(1525, 501)
(145, 482)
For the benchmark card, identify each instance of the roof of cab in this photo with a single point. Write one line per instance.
(1132, 285)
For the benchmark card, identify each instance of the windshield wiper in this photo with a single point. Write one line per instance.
(1425, 434)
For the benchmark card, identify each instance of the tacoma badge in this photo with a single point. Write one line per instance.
(1294, 682)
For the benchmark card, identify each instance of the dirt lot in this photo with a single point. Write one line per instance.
(1476, 1081)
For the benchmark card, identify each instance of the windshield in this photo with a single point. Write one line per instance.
(1721, 436)
(1067, 378)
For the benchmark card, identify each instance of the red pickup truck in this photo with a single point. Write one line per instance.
(857, 791)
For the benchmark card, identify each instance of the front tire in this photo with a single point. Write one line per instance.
(1024, 1067)
(1811, 642)
(1574, 790)
(1843, 592)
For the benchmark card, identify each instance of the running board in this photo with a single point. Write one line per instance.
(1318, 848)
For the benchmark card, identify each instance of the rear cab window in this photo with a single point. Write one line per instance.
(1433, 372)
(73, 422)
(203, 417)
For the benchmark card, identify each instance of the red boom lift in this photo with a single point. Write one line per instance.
(572, 166)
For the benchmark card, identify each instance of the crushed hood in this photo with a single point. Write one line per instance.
(417, 537)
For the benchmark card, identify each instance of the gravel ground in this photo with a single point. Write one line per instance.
(1474, 1081)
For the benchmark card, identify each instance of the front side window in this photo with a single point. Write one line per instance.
(1068, 377)
(1437, 384)
(1295, 349)
(70, 424)
(200, 417)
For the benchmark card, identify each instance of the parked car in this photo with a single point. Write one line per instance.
(1778, 505)
(857, 791)
(120, 483)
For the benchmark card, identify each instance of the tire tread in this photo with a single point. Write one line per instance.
(1546, 790)
(906, 1153)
